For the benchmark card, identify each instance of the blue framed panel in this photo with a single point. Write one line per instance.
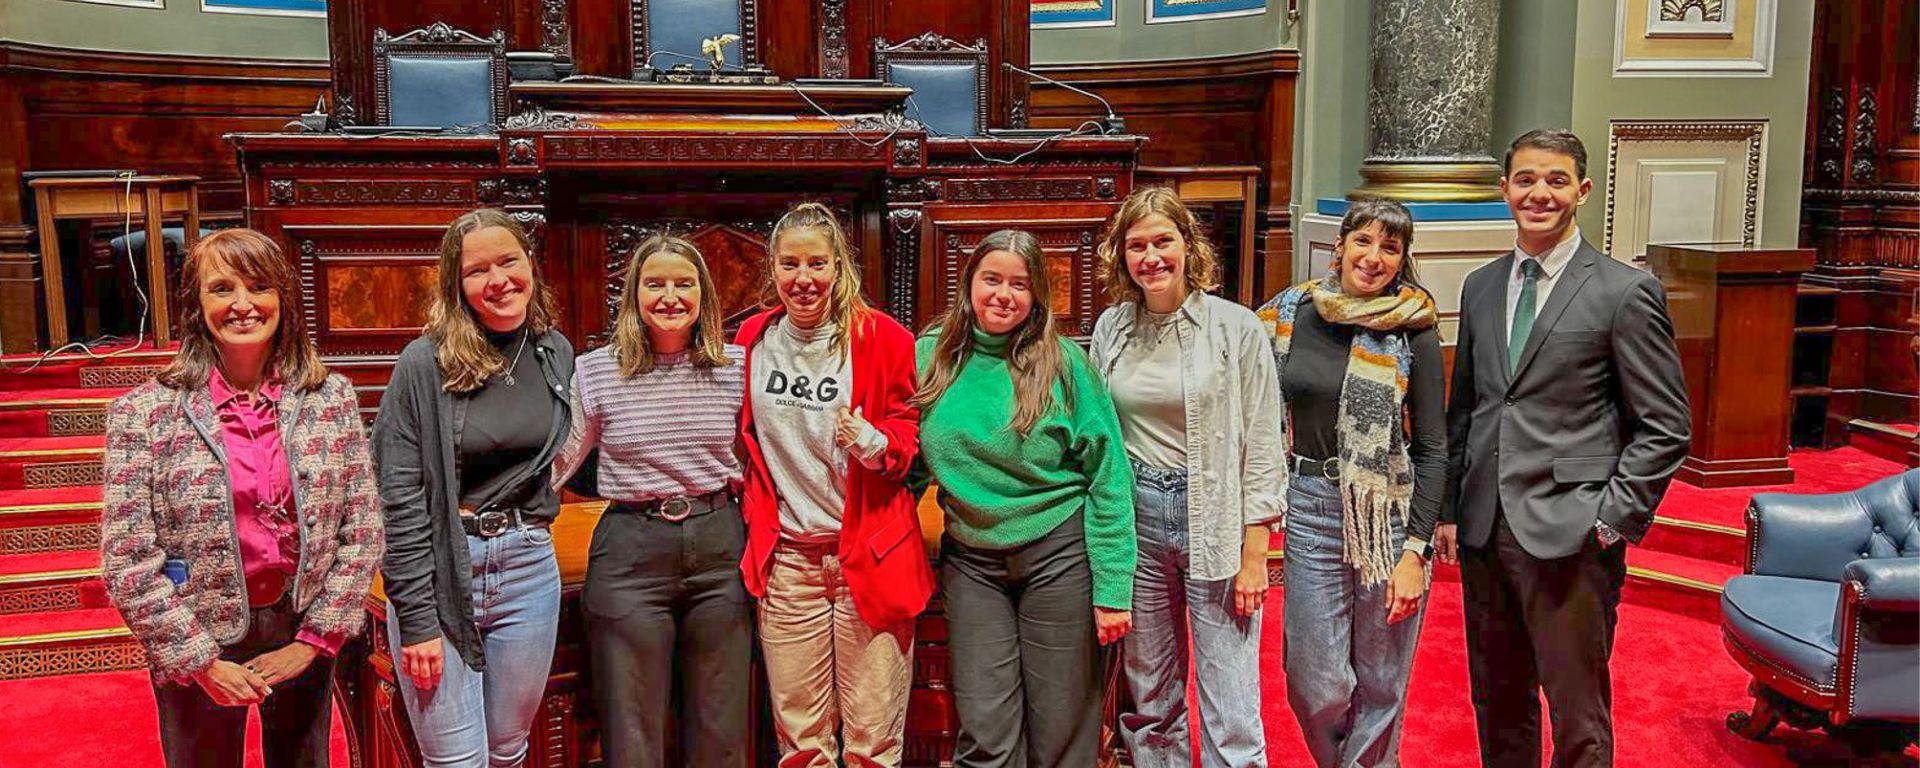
(267, 7)
(1166, 11)
(1071, 13)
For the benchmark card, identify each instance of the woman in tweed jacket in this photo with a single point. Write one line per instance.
(242, 526)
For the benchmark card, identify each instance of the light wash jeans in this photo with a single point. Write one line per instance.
(1346, 666)
(480, 719)
(1225, 646)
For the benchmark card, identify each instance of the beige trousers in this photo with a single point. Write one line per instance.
(838, 686)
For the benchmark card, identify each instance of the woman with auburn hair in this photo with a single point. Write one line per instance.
(1360, 370)
(468, 430)
(1037, 562)
(833, 540)
(664, 600)
(1193, 384)
(240, 596)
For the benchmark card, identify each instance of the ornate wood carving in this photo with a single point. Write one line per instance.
(990, 190)
(1676, 10)
(384, 192)
(903, 264)
(556, 37)
(1865, 129)
(1832, 141)
(42, 661)
(512, 190)
(533, 117)
(787, 150)
(49, 597)
(522, 151)
(77, 422)
(833, 38)
(906, 152)
(104, 376)
(280, 192)
(62, 474)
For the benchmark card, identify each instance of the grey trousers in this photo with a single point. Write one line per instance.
(1026, 665)
(663, 601)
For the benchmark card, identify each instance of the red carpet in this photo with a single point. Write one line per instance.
(1841, 469)
(99, 720)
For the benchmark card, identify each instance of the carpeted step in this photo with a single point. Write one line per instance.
(48, 622)
(1677, 583)
(50, 462)
(106, 374)
(1841, 469)
(52, 591)
(54, 417)
(1705, 541)
(26, 500)
(19, 566)
(100, 648)
(1898, 443)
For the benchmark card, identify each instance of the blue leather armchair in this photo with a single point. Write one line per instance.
(1827, 616)
(948, 78)
(440, 77)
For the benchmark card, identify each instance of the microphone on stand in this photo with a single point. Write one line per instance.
(1112, 125)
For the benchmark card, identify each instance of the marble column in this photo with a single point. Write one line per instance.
(1430, 101)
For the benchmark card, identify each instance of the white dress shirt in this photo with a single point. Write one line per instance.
(1552, 264)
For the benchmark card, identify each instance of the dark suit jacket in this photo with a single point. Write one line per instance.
(1593, 422)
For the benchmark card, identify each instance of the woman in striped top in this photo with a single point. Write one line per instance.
(661, 404)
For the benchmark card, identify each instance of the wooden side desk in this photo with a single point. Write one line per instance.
(1213, 185)
(149, 198)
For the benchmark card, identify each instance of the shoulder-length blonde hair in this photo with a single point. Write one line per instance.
(845, 304)
(256, 258)
(466, 359)
(632, 346)
(1034, 356)
(1203, 262)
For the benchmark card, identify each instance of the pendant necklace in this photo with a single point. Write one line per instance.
(508, 377)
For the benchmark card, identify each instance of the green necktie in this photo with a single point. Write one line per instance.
(1523, 312)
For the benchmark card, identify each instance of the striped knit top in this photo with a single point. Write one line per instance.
(667, 432)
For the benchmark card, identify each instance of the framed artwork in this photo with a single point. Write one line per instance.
(1693, 38)
(1060, 14)
(1169, 11)
(317, 8)
(1690, 18)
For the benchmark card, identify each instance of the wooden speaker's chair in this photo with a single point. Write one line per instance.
(440, 76)
(948, 78)
(679, 27)
(1827, 616)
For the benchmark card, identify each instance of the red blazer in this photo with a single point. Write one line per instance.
(880, 548)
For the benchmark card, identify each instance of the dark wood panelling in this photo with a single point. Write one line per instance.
(1217, 111)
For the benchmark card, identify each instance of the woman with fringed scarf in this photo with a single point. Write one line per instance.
(1361, 378)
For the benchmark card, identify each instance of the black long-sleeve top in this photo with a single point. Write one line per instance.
(1316, 367)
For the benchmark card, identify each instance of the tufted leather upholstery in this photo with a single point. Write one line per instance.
(1830, 604)
(680, 25)
(945, 94)
(442, 91)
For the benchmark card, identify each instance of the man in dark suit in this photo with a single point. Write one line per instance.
(1567, 418)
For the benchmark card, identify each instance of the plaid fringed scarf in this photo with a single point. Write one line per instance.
(1376, 475)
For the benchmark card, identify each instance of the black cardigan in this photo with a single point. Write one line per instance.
(428, 576)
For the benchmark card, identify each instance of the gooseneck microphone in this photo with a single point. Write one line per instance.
(1112, 125)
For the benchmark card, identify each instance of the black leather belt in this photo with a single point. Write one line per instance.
(493, 522)
(674, 509)
(1327, 468)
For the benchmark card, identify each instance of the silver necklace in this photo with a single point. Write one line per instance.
(508, 377)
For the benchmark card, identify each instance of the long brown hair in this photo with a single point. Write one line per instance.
(256, 258)
(845, 302)
(1034, 355)
(632, 346)
(467, 360)
(1203, 262)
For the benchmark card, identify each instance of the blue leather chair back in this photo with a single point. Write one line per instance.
(945, 94)
(680, 25)
(1893, 505)
(442, 91)
(1814, 536)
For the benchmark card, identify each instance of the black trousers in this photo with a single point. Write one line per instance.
(664, 600)
(295, 719)
(1536, 624)
(1026, 664)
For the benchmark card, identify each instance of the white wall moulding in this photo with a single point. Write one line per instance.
(150, 4)
(307, 8)
(1682, 181)
(1694, 38)
(1170, 11)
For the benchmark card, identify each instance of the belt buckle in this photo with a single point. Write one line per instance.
(493, 522)
(1331, 468)
(685, 511)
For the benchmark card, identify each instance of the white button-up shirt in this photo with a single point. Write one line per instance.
(1552, 264)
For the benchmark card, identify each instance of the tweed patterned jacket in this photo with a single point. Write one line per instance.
(167, 497)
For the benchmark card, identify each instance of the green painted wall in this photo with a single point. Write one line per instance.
(1131, 38)
(1330, 105)
(1533, 81)
(1780, 99)
(179, 28)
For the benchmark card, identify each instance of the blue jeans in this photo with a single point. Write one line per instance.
(1346, 666)
(481, 718)
(1167, 605)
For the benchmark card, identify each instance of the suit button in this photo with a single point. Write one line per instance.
(1509, 401)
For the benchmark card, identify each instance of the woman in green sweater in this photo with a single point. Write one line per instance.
(1037, 561)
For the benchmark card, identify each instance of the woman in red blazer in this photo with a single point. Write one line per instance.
(834, 551)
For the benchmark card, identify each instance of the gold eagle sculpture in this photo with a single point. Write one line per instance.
(715, 49)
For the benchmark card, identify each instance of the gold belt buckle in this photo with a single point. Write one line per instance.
(685, 510)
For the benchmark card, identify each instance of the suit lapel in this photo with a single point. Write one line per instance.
(1497, 326)
(1579, 270)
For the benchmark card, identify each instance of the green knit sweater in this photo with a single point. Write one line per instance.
(1000, 491)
